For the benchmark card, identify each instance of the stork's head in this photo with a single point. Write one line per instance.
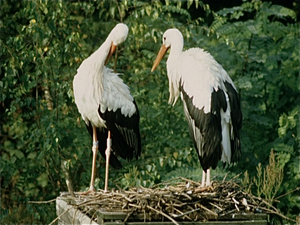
(172, 38)
(117, 36)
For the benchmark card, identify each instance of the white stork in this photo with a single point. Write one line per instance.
(210, 100)
(106, 106)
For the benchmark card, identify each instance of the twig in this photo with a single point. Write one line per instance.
(225, 177)
(124, 196)
(265, 202)
(57, 218)
(296, 189)
(219, 208)
(236, 176)
(208, 210)
(128, 215)
(134, 205)
(185, 216)
(84, 203)
(163, 214)
(93, 216)
(185, 195)
(191, 181)
(274, 212)
(268, 204)
(42, 202)
(186, 213)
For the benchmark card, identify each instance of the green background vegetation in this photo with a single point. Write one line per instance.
(44, 42)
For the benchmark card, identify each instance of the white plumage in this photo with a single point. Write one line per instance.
(211, 103)
(106, 106)
(114, 95)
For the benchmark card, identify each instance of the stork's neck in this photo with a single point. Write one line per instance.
(101, 53)
(96, 63)
(173, 75)
(175, 51)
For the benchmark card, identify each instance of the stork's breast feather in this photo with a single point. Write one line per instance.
(197, 77)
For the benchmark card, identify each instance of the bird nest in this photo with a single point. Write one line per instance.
(185, 200)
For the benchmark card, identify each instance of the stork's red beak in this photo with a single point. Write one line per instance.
(159, 56)
(111, 51)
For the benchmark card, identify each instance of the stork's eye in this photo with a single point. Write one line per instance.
(164, 38)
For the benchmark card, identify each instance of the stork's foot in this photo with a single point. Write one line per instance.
(202, 189)
(206, 185)
(91, 191)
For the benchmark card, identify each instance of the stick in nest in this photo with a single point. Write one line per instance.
(163, 214)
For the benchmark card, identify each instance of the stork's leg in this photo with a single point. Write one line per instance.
(203, 179)
(107, 153)
(208, 177)
(205, 176)
(95, 150)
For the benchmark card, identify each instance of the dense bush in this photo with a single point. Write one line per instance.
(44, 42)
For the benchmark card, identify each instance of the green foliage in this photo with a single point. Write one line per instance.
(44, 42)
(269, 181)
(266, 48)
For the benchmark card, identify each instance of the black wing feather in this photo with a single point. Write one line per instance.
(236, 119)
(126, 140)
(205, 128)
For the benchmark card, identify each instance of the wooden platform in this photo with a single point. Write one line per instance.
(68, 214)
